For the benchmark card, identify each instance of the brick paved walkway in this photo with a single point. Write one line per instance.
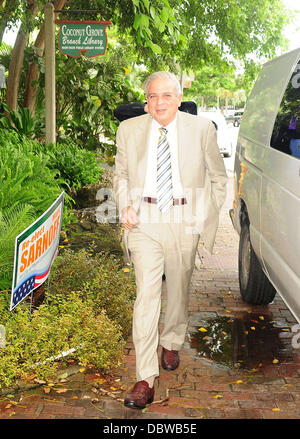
(237, 362)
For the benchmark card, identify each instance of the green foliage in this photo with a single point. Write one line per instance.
(64, 325)
(20, 121)
(91, 320)
(100, 279)
(90, 90)
(24, 175)
(76, 166)
(11, 224)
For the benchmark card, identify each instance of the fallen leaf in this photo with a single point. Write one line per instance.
(46, 389)
(261, 317)
(82, 369)
(61, 390)
(275, 361)
(218, 396)
(8, 406)
(275, 409)
(253, 328)
(202, 330)
(126, 270)
(39, 381)
(239, 381)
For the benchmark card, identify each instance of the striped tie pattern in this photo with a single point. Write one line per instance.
(164, 173)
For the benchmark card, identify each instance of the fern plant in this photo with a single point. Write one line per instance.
(25, 178)
(12, 222)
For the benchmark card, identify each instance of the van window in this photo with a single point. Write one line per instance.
(286, 132)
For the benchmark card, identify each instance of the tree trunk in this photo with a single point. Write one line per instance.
(33, 73)
(15, 68)
(16, 62)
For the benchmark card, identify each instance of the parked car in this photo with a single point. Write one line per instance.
(237, 118)
(266, 206)
(223, 133)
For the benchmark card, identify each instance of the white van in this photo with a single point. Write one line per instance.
(266, 206)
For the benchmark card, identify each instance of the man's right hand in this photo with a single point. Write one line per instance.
(129, 217)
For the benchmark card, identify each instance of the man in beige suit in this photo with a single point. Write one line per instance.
(170, 183)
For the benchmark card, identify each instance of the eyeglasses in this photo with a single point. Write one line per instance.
(165, 96)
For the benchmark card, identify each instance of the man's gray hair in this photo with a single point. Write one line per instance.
(162, 75)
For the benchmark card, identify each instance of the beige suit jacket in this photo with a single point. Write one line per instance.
(201, 167)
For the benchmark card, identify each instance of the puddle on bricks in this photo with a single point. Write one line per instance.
(246, 341)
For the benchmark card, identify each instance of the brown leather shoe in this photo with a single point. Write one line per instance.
(140, 395)
(169, 359)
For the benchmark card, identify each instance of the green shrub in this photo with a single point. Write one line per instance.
(11, 224)
(31, 346)
(100, 278)
(77, 166)
(87, 306)
(21, 121)
(24, 175)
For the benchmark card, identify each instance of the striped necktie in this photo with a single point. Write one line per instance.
(164, 173)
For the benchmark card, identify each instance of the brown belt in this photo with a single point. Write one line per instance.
(176, 201)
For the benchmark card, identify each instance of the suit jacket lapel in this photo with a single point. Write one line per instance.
(142, 142)
(184, 141)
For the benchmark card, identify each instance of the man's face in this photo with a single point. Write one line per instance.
(163, 101)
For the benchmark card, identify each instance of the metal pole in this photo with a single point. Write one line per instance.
(50, 73)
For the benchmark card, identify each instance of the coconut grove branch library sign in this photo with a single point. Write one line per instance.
(82, 37)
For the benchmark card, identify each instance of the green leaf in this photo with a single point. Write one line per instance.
(164, 15)
(137, 21)
(147, 4)
(155, 48)
(152, 12)
(161, 26)
(144, 21)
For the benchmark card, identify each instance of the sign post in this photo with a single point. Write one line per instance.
(35, 250)
(50, 73)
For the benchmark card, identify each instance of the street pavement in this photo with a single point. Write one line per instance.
(238, 361)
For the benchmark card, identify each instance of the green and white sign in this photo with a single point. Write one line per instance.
(82, 37)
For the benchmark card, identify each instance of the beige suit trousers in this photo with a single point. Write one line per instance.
(160, 244)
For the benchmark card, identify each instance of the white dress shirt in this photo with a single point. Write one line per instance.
(151, 170)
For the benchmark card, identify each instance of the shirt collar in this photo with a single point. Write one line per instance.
(169, 127)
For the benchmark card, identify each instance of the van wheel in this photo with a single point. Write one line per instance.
(255, 287)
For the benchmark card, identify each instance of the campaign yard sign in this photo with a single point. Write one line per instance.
(87, 37)
(35, 250)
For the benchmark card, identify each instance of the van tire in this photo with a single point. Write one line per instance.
(255, 287)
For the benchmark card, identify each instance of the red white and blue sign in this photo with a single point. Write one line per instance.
(35, 251)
